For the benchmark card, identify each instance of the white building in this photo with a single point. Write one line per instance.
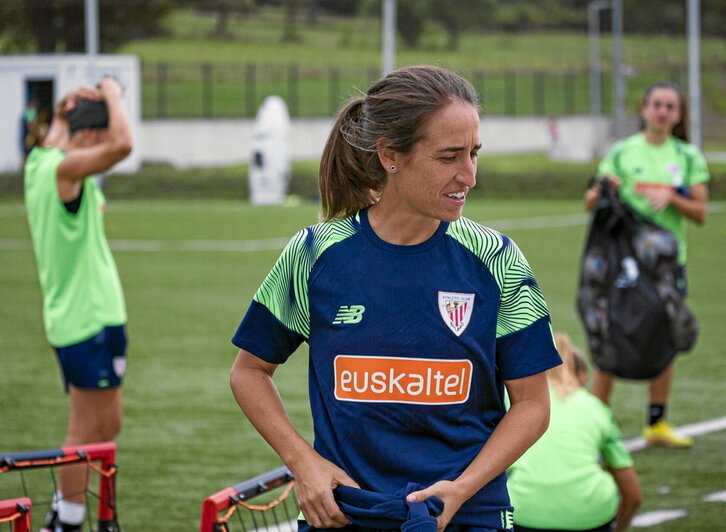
(47, 78)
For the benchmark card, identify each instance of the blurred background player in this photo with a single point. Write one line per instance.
(84, 312)
(395, 284)
(560, 483)
(34, 127)
(665, 179)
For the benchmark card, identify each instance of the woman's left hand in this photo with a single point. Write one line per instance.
(447, 492)
(660, 197)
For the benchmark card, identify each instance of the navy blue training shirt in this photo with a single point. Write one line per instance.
(409, 348)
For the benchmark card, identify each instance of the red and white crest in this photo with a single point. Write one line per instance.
(456, 309)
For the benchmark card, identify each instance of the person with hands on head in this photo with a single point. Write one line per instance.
(84, 311)
(416, 318)
(665, 179)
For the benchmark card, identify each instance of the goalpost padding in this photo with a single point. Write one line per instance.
(17, 512)
(105, 453)
(230, 499)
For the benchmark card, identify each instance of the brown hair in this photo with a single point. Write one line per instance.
(392, 114)
(680, 130)
(563, 378)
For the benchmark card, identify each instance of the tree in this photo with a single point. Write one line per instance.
(223, 10)
(343, 8)
(669, 17)
(289, 31)
(54, 26)
(450, 15)
(410, 18)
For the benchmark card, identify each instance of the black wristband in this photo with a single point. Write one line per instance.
(682, 191)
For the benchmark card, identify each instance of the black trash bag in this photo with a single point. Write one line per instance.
(634, 316)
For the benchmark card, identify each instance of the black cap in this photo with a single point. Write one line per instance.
(88, 114)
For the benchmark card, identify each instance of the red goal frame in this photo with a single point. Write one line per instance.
(104, 452)
(17, 512)
(229, 499)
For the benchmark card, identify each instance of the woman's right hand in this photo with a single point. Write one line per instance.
(592, 194)
(315, 479)
(69, 100)
(614, 181)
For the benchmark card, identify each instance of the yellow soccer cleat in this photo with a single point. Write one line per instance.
(662, 433)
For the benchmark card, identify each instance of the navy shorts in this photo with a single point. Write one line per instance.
(99, 362)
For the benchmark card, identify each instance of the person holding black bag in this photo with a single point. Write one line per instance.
(664, 180)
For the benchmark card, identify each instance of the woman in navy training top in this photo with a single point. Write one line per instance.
(416, 320)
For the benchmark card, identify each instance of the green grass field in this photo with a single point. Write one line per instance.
(184, 437)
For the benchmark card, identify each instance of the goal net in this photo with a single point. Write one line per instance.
(31, 479)
(265, 503)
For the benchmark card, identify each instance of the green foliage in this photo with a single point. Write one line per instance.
(669, 16)
(410, 20)
(57, 26)
(223, 11)
(557, 62)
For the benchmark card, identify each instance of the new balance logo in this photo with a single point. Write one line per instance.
(349, 314)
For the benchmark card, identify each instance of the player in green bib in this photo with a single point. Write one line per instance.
(83, 305)
(665, 179)
(578, 475)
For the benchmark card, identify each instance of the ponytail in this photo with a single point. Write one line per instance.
(563, 378)
(392, 114)
(351, 176)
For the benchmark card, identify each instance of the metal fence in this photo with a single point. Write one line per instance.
(236, 90)
(233, 91)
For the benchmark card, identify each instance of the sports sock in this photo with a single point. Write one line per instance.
(71, 513)
(656, 413)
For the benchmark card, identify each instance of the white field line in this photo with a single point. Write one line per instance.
(18, 244)
(199, 245)
(16, 209)
(719, 496)
(649, 519)
(657, 517)
(538, 222)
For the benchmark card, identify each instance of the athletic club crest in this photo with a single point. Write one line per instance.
(455, 309)
(676, 174)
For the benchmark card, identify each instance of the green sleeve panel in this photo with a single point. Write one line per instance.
(521, 300)
(697, 169)
(285, 289)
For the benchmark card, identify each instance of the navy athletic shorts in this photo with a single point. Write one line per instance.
(99, 362)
